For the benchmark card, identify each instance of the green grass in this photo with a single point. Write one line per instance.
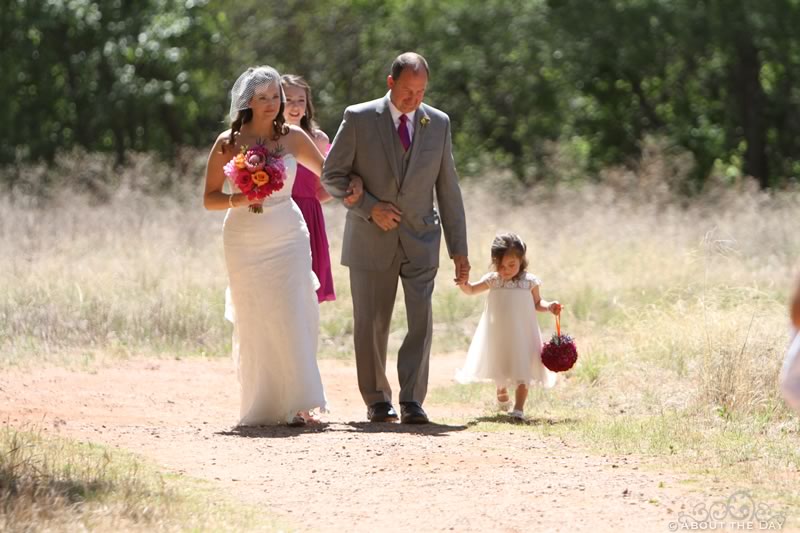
(49, 483)
(471, 393)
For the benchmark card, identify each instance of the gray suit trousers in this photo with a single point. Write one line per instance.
(373, 301)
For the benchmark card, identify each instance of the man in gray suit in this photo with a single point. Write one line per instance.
(402, 150)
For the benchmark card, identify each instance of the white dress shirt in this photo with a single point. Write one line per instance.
(396, 119)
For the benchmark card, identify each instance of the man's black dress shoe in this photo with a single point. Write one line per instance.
(412, 413)
(381, 412)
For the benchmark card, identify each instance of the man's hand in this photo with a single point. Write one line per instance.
(462, 269)
(386, 215)
(354, 191)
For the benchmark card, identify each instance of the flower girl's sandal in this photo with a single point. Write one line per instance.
(517, 415)
(503, 401)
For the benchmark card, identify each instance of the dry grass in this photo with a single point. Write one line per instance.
(54, 484)
(679, 306)
(695, 288)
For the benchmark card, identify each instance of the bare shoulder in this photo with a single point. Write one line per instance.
(321, 137)
(294, 131)
(322, 141)
(222, 143)
(295, 135)
(295, 140)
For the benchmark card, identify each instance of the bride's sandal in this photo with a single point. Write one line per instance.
(312, 418)
(297, 421)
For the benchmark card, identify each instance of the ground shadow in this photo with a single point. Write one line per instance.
(283, 431)
(528, 421)
(430, 429)
(273, 432)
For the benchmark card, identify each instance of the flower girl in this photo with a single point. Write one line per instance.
(507, 344)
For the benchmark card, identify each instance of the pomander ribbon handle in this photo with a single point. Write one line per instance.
(558, 324)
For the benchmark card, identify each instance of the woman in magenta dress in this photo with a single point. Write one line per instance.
(308, 192)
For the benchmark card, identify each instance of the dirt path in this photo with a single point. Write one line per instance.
(348, 475)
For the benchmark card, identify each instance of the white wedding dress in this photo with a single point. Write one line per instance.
(274, 309)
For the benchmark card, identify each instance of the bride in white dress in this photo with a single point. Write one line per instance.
(271, 300)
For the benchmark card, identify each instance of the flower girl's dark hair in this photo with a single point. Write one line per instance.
(513, 244)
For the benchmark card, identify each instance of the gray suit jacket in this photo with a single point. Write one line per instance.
(367, 144)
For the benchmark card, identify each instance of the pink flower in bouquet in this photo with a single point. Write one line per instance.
(256, 158)
(276, 172)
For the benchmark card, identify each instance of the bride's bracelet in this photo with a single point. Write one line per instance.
(230, 201)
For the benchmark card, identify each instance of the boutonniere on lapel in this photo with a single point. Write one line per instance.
(424, 120)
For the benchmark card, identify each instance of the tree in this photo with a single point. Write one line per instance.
(112, 75)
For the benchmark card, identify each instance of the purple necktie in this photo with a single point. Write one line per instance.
(402, 129)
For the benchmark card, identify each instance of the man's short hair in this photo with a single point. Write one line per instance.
(410, 60)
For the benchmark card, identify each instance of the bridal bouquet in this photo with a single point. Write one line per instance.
(257, 172)
(560, 354)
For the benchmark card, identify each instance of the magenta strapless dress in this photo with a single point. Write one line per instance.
(304, 194)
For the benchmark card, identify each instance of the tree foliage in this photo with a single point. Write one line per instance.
(517, 78)
(115, 75)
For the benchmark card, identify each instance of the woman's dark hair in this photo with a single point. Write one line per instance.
(307, 122)
(509, 243)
